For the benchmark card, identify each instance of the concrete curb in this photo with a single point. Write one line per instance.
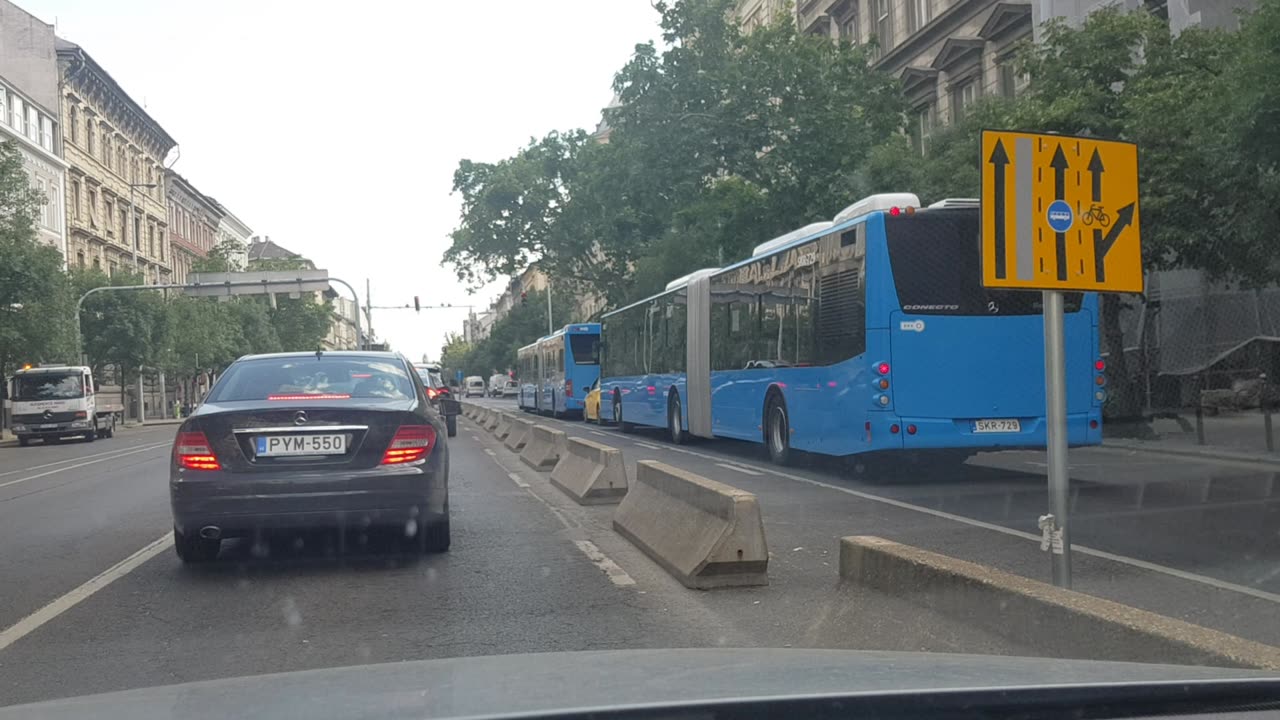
(519, 435)
(1062, 623)
(1204, 453)
(705, 533)
(543, 448)
(591, 473)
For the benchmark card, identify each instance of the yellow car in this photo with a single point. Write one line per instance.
(591, 405)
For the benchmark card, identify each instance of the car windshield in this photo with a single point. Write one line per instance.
(48, 387)
(293, 378)
(596, 351)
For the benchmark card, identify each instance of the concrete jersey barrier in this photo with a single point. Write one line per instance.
(590, 473)
(1056, 621)
(543, 447)
(519, 434)
(705, 533)
(491, 420)
(504, 425)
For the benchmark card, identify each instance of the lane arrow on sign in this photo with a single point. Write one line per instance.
(1059, 165)
(1095, 174)
(1124, 216)
(999, 159)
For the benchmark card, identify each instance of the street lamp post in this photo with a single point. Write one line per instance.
(133, 206)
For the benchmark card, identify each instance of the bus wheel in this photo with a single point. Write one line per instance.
(625, 427)
(674, 423)
(777, 431)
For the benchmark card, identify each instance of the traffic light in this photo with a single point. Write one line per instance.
(416, 306)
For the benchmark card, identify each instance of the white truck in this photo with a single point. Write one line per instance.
(50, 402)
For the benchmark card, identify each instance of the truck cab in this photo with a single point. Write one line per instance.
(51, 402)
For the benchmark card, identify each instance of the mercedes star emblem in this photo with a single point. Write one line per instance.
(300, 417)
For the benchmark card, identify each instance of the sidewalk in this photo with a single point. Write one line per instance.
(1237, 437)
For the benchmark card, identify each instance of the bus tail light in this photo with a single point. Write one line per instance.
(893, 429)
(882, 368)
(568, 388)
(911, 429)
(1099, 364)
(883, 384)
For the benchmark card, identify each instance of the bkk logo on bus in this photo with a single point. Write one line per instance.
(911, 325)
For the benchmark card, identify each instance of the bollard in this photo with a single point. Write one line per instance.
(1199, 425)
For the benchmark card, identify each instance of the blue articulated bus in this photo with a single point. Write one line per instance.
(529, 375)
(557, 370)
(871, 334)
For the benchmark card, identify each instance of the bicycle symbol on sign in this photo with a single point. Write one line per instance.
(1095, 212)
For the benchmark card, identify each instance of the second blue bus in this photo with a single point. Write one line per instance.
(557, 370)
(869, 335)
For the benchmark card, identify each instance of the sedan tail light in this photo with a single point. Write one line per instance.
(193, 452)
(432, 393)
(410, 444)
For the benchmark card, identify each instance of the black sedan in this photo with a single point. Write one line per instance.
(308, 440)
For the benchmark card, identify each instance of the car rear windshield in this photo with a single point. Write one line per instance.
(585, 348)
(27, 388)
(937, 269)
(302, 378)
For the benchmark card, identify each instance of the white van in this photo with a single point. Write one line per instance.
(473, 385)
(496, 383)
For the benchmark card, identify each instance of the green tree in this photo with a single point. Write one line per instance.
(301, 324)
(723, 139)
(455, 355)
(221, 258)
(35, 296)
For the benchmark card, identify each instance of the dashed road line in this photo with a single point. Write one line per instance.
(83, 464)
(597, 432)
(515, 478)
(102, 454)
(35, 620)
(740, 469)
(616, 574)
(490, 453)
(647, 445)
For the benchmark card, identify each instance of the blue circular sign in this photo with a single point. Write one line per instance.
(1060, 216)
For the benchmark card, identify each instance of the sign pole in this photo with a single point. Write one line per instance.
(1055, 383)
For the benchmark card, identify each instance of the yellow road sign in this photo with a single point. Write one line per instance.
(1060, 213)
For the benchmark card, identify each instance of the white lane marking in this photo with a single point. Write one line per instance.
(647, 445)
(617, 575)
(489, 452)
(597, 432)
(1082, 549)
(476, 438)
(740, 469)
(32, 622)
(103, 454)
(515, 478)
(80, 465)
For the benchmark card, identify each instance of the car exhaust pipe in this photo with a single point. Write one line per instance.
(211, 532)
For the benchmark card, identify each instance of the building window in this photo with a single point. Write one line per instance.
(46, 133)
(4, 106)
(108, 217)
(80, 259)
(1012, 81)
(882, 18)
(112, 268)
(106, 149)
(54, 205)
(75, 199)
(17, 115)
(33, 124)
(922, 127)
(963, 96)
(124, 228)
(88, 134)
(74, 122)
(849, 27)
(93, 209)
(137, 234)
(121, 166)
(918, 14)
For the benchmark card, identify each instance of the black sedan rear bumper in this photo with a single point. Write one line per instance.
(241, 503)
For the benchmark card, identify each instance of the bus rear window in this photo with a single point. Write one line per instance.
(936, 267)
(585, 349)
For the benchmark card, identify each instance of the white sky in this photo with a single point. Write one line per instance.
(335, 128)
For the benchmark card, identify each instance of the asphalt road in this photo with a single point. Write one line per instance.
(93, 598)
